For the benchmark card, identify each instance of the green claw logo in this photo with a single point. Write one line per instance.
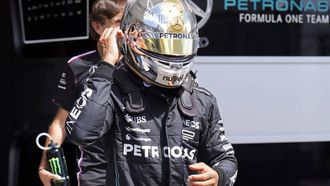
(55, 166)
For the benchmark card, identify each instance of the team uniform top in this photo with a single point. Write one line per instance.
(151, 134)
(91, 162)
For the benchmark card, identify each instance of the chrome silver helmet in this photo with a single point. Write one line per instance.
(161, 40)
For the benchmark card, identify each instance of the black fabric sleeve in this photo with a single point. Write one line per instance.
(92, 114)
(105, 70)
(216, 150)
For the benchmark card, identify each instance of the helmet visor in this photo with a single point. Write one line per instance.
(174, 44)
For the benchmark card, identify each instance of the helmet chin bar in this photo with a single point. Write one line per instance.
(155, 75)
(205, 15)
(148, 81)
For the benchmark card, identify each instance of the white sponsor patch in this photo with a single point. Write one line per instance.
(130, 137)
(223, 137)
(192, 124)
(233, 178)
(62, 81)
(227, 146)
(136, 119)
(61, 87)
(131, 129)
(154, 151)
(231, 152)
(187, 135)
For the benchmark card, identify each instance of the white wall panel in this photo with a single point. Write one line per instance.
(270, 99)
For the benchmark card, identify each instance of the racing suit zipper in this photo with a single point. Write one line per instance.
(166, 143)
(170, 105)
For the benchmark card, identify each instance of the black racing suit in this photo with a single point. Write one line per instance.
(152, 134)
(90, 160)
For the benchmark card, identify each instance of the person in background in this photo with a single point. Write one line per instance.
(91, 162)
(158, 125)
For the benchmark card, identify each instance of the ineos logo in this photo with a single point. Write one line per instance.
(80, 103)
(192, 124)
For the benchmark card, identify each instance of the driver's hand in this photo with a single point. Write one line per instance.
(206, 175)
(107, 45)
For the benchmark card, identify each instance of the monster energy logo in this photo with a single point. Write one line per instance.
(55, 166)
